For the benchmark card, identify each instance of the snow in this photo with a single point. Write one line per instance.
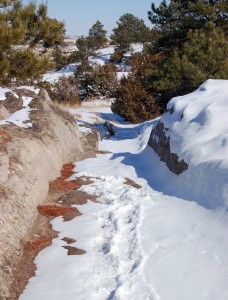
(26, 100)
(120, 75)
(203, 136)
(140, 243)
(138, 47)
(102, 57)
(135, 48)
(30, 88)
(66, 71)
(84, 129)
(198, 131)
(20, 117)
(53, 77)
(3, 92)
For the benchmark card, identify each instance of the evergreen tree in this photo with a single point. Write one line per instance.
(97, 33)
(191, 44)
(174, 20)
(25, 25)
(59, 59)
(205, 55)
(133, 102)
(130, 29)
(25, 65)
(85, 48)
(96, 80)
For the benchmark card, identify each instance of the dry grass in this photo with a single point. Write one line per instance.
(66, 106)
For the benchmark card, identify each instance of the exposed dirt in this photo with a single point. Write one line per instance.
(56, 211)
(74, 251)
(103, 152)
(59, 202)
(132, 183)
(29, 159)
(69, 240)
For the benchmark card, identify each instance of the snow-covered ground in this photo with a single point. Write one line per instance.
(140, 243)
(102, 57)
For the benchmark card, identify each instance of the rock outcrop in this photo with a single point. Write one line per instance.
(29, 158)
(161, 145)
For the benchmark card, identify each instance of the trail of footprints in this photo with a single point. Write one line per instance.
(117, 245)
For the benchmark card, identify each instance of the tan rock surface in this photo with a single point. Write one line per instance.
(29, 159)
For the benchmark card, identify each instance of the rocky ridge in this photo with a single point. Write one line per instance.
(32, 152)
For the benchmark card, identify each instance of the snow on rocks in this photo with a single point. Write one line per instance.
(196, 129)
(20, 117)
(29, 88)
(3, 92)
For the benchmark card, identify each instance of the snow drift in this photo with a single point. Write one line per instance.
(192, 139)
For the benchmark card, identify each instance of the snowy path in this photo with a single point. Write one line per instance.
(140, 244)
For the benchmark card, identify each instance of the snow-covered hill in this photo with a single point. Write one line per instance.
(195, 129)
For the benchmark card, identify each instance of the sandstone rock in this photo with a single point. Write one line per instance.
(29, 160)
(4, 113)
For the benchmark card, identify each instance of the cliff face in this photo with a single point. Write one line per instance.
(36, 139)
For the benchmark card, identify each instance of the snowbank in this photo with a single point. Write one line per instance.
(195, 129)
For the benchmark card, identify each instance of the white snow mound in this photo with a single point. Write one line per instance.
(197, 125)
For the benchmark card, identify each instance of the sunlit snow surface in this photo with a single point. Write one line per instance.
(140, 244)
(20, 117)
(102, 57)
(3, 92)
(197, 125)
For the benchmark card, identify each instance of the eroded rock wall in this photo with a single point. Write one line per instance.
(29, 159)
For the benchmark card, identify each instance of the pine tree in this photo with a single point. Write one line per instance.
(97, 33)
(59, 59)
(25, 65)
(205, 55)
(25, 25)
(96, 80)
(189, 45)
(133, 102)
(192, 44)
(85, 48)
(174, 20)
(130, 29)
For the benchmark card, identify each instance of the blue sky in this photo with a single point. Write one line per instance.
(80, 15)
